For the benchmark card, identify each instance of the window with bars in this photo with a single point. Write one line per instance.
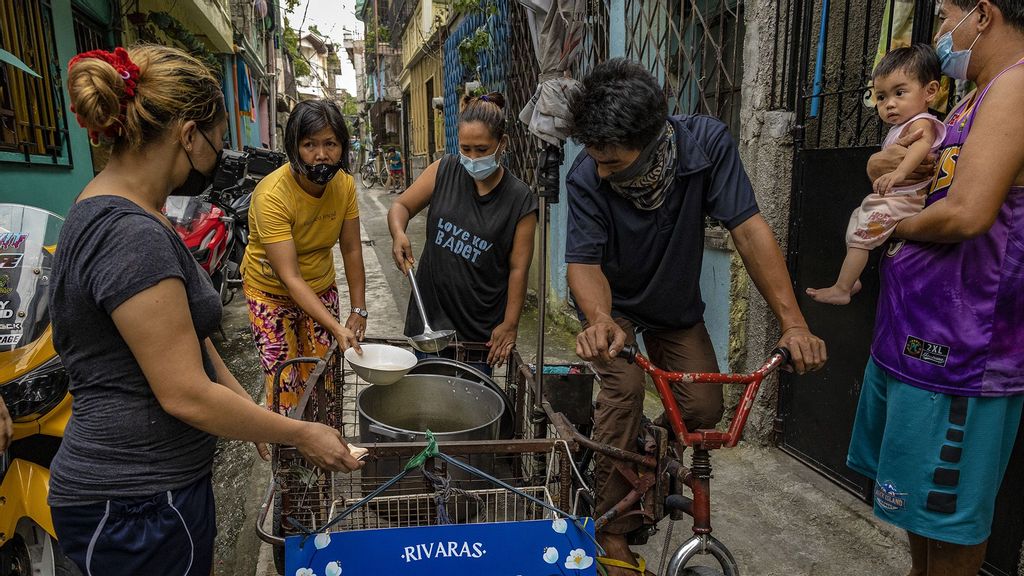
(89, 34)
(32, 120)
(695, 48)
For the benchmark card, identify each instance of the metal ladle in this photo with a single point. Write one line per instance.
(431, 341)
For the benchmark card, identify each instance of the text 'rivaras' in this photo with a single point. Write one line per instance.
(436, 550)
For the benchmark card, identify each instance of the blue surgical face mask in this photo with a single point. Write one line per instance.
(480, 168)
(954, 62)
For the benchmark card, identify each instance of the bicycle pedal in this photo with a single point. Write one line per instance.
(676, 488)
(641, 535)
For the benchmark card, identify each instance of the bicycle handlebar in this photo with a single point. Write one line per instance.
(663, 381)
(630, 351)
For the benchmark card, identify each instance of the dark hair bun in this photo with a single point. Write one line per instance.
(496, 98)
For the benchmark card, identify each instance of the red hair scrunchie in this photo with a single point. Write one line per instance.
(124, 66)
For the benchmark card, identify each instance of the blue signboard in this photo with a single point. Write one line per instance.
(533, 548)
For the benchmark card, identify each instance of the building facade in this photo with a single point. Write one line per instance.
(45, 157)
(422, 84)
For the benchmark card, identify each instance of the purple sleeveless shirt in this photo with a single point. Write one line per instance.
(951, 316)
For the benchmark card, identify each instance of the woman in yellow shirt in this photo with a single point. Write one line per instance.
(298, 213)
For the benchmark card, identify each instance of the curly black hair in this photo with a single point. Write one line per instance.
(620, 104)
(917, 61)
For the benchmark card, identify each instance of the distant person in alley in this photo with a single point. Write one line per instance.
(940, 405)
(299, 213)
(132, 315)
(472, 273)
(638, 196)
(396, 171)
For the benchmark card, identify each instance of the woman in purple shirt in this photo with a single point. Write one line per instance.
(944, 388)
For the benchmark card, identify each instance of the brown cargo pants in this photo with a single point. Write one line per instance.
(620, 404)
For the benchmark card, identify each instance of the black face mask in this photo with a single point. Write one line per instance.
(196, 182)
(321, 174)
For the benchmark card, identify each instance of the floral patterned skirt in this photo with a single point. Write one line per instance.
(282, 331)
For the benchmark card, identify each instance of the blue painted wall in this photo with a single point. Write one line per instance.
(715, 287)
(492, 67)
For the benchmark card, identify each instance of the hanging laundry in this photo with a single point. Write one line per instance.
(244, 91)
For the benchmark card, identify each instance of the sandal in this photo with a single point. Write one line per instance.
(639, 568)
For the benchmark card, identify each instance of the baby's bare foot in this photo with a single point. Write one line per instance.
(834, 294)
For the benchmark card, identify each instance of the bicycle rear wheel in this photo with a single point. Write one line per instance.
(701, 571)
(366, 175)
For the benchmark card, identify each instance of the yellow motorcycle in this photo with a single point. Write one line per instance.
(34, 386)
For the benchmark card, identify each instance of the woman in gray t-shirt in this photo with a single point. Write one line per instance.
(132, 312)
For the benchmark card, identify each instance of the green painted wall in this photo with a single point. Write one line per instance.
(54, 187)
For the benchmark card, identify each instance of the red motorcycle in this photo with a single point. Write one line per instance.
(215, 224)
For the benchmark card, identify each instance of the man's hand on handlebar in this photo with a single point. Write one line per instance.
(807, 351)
(600, 341)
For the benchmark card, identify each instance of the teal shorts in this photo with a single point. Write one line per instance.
(937, 460)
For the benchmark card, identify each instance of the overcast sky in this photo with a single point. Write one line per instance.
(332, 18)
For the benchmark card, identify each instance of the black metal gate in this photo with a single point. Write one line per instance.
(834, 47)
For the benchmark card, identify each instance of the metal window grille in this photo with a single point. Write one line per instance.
(595, 38)
(32, 118)
(695, 48)
(523, 68)
(837, 45)
(785, 47)
(89, 34)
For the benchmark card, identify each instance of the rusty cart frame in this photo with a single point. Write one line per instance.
(301, 499)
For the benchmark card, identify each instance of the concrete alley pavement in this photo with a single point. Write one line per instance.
(777, 516)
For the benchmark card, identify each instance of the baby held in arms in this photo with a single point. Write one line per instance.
(906, 81)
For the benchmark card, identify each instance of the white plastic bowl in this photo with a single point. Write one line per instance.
(381, 364)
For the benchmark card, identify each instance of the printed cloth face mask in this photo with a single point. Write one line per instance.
(954, 62)
(321, 174)
(647, 181)
(480, 168)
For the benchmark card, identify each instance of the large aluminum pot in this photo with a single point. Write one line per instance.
(452, 408)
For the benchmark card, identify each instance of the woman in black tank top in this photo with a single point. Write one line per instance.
(472, 272)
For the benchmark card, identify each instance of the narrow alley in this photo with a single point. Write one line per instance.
(778, 517)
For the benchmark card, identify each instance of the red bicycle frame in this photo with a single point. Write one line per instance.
(653, 472)
(708, 439)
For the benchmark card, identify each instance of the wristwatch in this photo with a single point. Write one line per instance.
(360, 311)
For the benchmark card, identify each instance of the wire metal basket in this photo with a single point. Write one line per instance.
(305, 498)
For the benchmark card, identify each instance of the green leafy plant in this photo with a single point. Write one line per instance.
(489, 8)
(291, 43)
(480, 40)
(471, 46)
(374, 35)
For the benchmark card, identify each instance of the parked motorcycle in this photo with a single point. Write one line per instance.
(215, 225)
(34, 386)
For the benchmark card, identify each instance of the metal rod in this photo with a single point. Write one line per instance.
(542, 296)
(419, 301)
